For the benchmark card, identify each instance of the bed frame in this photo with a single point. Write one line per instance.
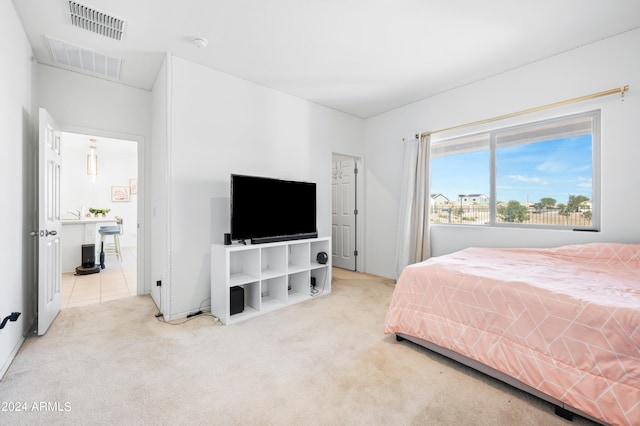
(561, 409)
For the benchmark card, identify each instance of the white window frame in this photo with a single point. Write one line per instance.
(553, 126)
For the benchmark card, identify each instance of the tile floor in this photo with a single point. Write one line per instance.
(117, 280)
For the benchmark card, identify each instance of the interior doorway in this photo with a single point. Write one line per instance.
(99, 173)
(344, 212)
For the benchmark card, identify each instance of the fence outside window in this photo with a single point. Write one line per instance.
(479, 215)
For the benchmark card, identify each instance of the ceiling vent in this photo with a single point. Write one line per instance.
(67, 55)
(95, 21)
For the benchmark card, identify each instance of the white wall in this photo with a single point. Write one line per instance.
(117, 165)
(593, 68)
(17, 180)
(80, 101)
(84, 104)
(158, 241)
(220, 125)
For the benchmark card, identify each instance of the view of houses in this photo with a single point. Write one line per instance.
(475, 209)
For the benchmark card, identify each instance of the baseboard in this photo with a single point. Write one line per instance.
(12, 355)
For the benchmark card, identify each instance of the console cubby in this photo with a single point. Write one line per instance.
(317, 247)
(273, 293)
(322, 276)
(273, 261)
(244, 267)
(273, 275)
(300, 284)
(298, 257)
(252, 301)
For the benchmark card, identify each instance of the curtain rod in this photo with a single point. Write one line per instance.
(620, 90)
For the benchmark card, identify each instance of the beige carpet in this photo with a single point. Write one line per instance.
(322, 362)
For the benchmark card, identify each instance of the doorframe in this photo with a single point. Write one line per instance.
(360, 203)
(141, 240)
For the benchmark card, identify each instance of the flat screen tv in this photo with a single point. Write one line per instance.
(266, 209)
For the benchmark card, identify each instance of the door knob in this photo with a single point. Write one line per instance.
(50, 233)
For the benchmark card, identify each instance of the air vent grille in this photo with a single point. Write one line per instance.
(70, 56)
(95, 21)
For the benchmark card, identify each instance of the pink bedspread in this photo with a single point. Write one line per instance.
(565, 321)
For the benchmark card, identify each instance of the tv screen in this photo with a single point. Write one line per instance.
(267, 209)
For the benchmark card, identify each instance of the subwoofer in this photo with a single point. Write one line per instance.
(236, 296)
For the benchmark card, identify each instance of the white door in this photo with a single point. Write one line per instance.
(49, 225)
(343, 212)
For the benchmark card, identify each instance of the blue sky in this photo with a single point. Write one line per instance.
(556, 169)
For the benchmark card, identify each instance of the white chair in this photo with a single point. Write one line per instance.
(115, 231)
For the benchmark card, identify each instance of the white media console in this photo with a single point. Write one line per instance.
(273, 275)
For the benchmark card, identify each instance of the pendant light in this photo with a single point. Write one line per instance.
(92, 159)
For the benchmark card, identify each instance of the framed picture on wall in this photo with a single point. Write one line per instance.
(120, 193)
(133, 186)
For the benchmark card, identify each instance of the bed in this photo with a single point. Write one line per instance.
(561, 323)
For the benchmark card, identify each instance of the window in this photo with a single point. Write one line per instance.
(541, 175)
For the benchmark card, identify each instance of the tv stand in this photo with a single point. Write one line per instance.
(273, 275)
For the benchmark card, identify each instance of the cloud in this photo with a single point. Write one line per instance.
(585, 168)
(526, 179)
(552, 167)
(584, 182)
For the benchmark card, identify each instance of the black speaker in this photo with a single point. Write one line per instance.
(236, 300)
(227, 239)
(322, 258)
(88, 255)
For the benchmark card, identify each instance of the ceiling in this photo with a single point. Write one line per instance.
(362, 57)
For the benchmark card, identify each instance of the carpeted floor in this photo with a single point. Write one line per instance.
(321, 362)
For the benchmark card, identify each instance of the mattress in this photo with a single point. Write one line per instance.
(565, 321)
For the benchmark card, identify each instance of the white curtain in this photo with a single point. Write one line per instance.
(413, 242)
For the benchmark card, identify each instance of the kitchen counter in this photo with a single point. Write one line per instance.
(75, 233)
(85, 220)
